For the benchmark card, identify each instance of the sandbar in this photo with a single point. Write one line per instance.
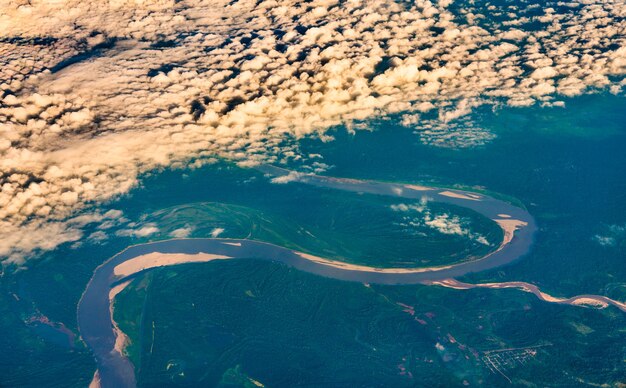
(596, 301)
(157, 259)
(418, 188)
(550, 298)
(509, 227)
(365, 268)
(95, 382)
(453, 194)
(590, 302)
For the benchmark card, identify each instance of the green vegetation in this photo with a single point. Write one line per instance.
(32, 355)
(234, 377)
(132, 317)
(355, 228)
(296, 329)
(240, 322)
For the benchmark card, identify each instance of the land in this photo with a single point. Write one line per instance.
(392, 330)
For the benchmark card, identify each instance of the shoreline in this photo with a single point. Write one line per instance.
(121, 339)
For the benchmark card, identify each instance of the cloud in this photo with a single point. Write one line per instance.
(140, 231)
(453, 225)
(544, 72)
(605, 241)
(419, 207)
(613, 236)
(95, 94)
(442, 223)
(181, 232)
(40, 235)
(97, 236)
(292, 176)
(216, 232)
(445, 224)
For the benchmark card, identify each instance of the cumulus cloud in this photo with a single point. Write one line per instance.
(443, 223)
(138, 231)
(181, 232)
(292, 176)
(605, 241)
(40, 235)
(216, 232)
(94, 94)
(419, 207)
(613, 236)
(97, 236)
(447, 224)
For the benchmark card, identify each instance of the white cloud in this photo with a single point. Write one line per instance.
(216, 232)
(442, 223)
(31, 239)
(613, 236)
(453, 225)
(141, 231)
(419, 207)
(181, 232)
(164, 83)
(445, 224)
(292, 176)
(544, 72)
(97, 236)
(605, 241)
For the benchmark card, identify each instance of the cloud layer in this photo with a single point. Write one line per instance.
(93, 94)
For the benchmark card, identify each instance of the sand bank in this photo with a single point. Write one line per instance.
(550, 298)
(590, 302)
(418, 188)
(596, 301)
(121, 339)
(95, 382)
(452, 194)
(509, 227)
(157, 259)
(365, 268)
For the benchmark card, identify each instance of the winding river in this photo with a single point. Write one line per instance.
(106, 341)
